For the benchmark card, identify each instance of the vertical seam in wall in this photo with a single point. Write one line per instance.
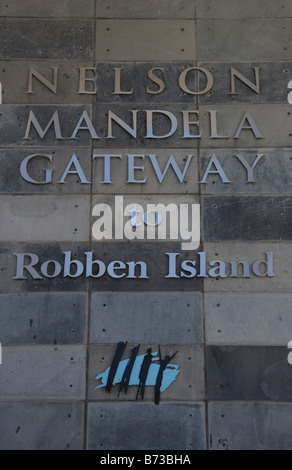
(89, 282)
(202, 240)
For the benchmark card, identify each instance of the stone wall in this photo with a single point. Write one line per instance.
(234, 388)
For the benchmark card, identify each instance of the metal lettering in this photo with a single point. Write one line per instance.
(132, 168)
(131, 130)
(83, 79)
(214, 127)
(27, 177)
(208, 76)
(255, 87)
(187, 123)
(171, 162)
(107, 166)
(156, 80)
(218, 170)
(89, 127)
(78, 171)
(249, 169)
(32, 120)
(117, 90)
(252, 126)
(149, 122)
(51, 86)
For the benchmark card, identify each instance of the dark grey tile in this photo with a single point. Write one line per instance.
(247, 218)
(14, 126)
(248, 373)
(272, 82)
(46, 39)
(43, 319)
(135, 81)
(45, 164)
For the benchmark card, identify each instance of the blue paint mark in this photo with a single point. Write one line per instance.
(169, 375)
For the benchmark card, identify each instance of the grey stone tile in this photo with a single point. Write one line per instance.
(45, 252)
(248, 373)
(237, 40)
(145, 40)
(229, 218)
(170, 184)
(152, 317)
(44, 218)
(162, 127)
(188, 385)
(118, 426)
(176, 9)
(154, 255)
(251, 252)
(43, 319)
(15, 76)
(263, 426)
(41, 426)
(43, 372)
(14, 124)
(43, 9)
(139, 86)
(273, 81)
(271, 126)
(248, 319)
(248, 9)
(44, 165)
(269, 178)
(46, 39)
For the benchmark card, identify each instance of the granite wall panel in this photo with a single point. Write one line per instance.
(171, 183)
(248, 373)
(24, 218)
(229, 218)
(250, 252)
(44, 171)
(176, 9)
(153, 317)
(43, 318)
(118, 426)
(46, 39)
(250, 9)
(17, 89)
(236, 167)
(248, 319)
(43, 426)
(43, 372)
(141, 40)
(263, 426)
(18, 130)
(43, 9)
(249, 40)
